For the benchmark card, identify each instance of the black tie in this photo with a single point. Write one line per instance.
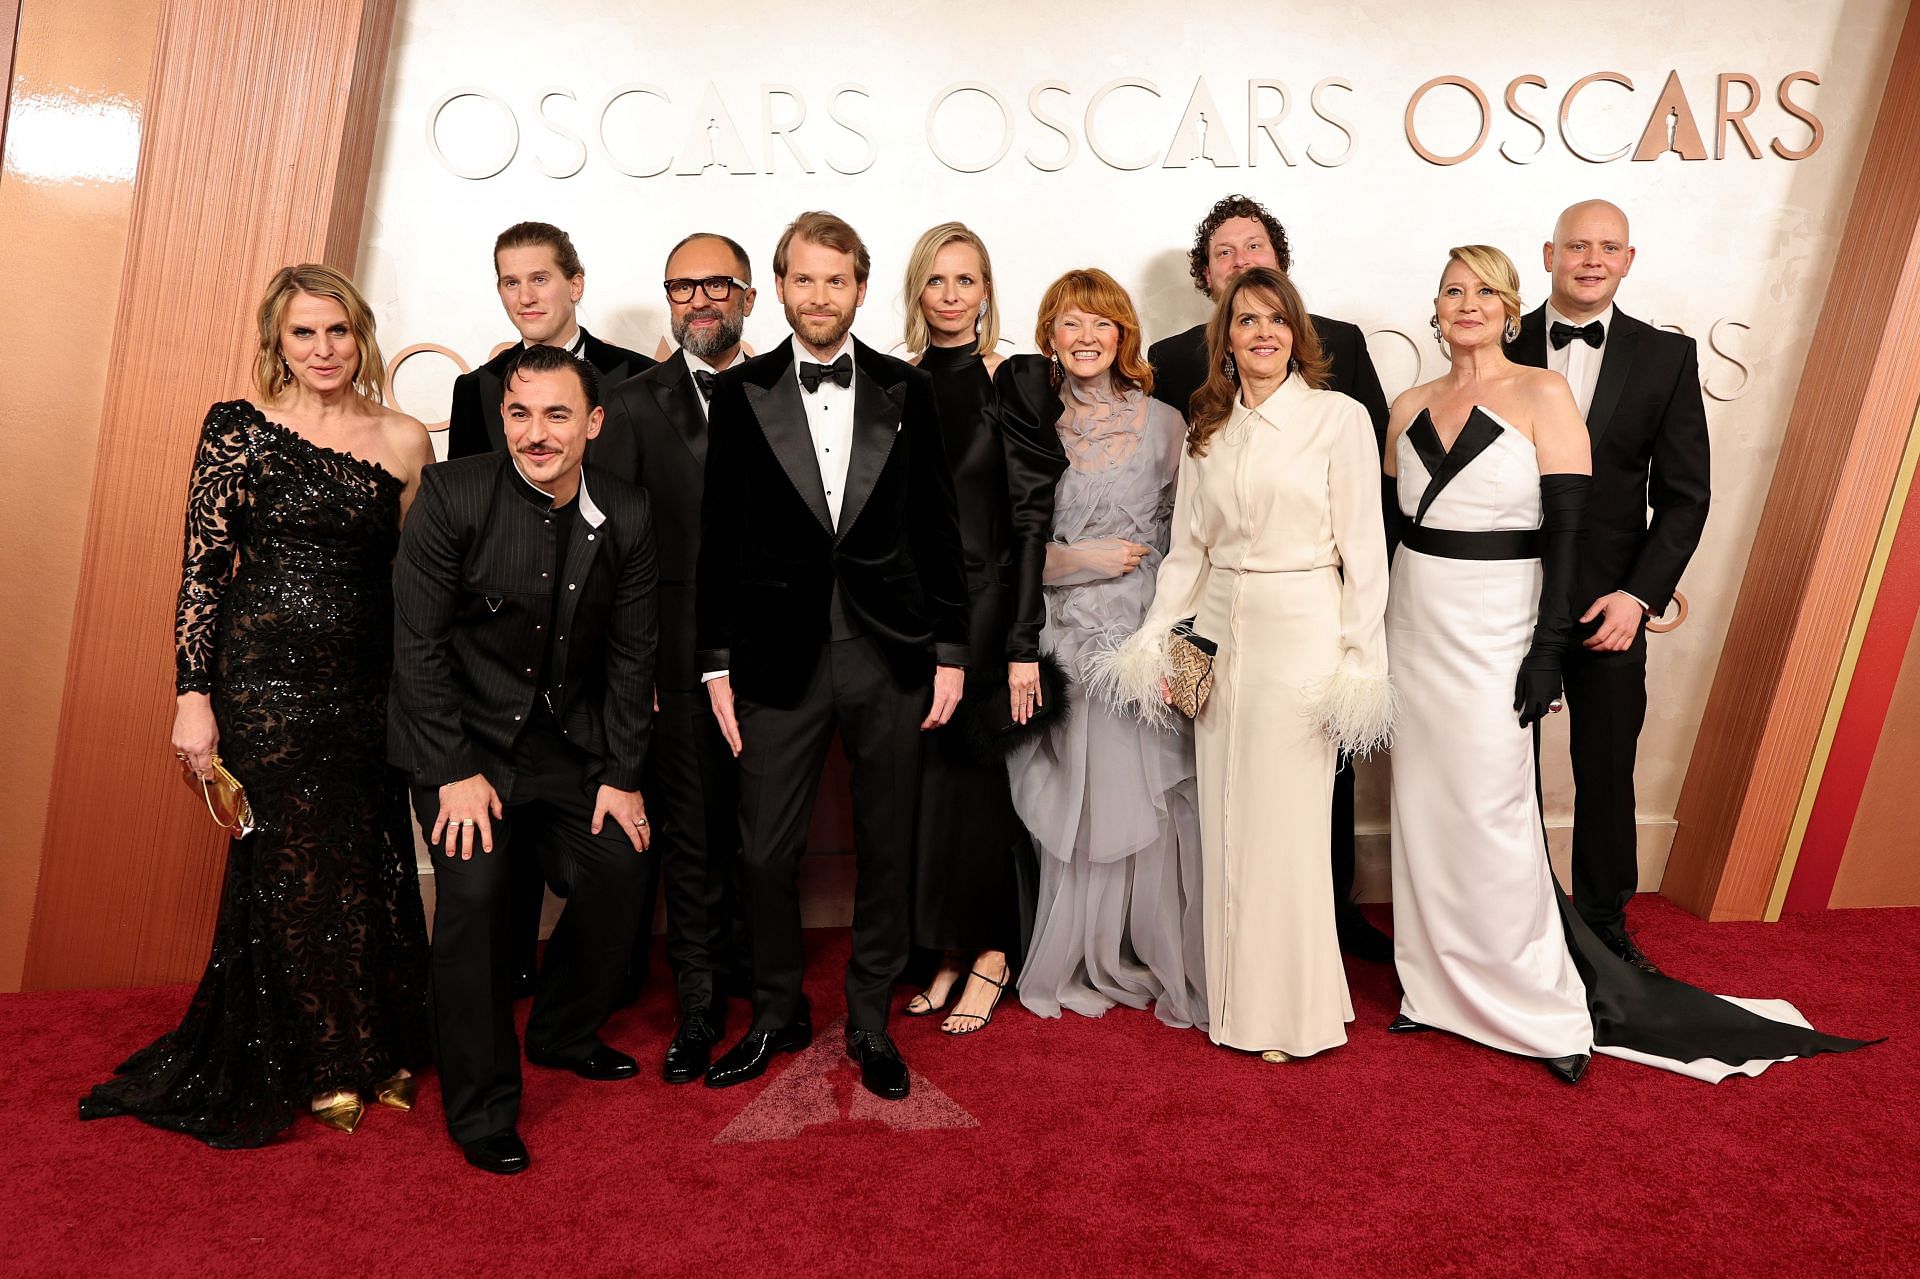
(840, 371)
(703, 378)
(1592, 333)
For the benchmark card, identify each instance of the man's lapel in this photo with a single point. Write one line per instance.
(1531, 346)
(877, 408)
(674, 391)
(1616, 365)
(783, 421)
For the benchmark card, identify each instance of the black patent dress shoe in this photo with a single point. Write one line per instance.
(748, 1059)
(1405, 1025)
(603, 1064)
(692, 1042)
(1622, 944)
(1568, 1069)
(501, 1152)
(882, 1072)
(1359, 938)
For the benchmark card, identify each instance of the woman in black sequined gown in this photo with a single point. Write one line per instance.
(974, 876)
(315, 992)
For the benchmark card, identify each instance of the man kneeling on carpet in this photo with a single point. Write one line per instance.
(524, 625)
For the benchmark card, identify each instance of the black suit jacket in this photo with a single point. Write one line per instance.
(661, 432)
(1648, 429)
(1180, 366)
(1027, 410)
(770, 558)
(472, 595)
(473, 423)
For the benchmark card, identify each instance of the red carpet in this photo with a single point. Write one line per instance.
(1114, 1146)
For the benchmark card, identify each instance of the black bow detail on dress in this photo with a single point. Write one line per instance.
(841, 371)
(703, 378)
(1592, 333)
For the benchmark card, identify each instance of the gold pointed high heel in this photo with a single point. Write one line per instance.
(1274, 1056)
(397, 1091)
(341, 1110)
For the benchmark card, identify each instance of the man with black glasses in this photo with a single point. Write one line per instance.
(658, 424)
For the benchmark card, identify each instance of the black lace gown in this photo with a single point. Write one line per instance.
(317, 979)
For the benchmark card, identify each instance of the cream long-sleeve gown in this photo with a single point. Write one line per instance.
(1279, 556)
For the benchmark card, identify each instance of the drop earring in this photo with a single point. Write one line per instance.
(1513, 328)
(286, 371)
(1228, 367)
(1441, 342)
(1054, 373)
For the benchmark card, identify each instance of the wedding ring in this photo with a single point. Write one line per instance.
(467, 822)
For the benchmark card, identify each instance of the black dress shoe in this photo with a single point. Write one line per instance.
(1405, 1025)
(1622, 944)
(1359, 938)
(748, 1059)
(882, 1072)
(602, 1064)
(1568, 1069)
(687, 1054)
(501, 1152)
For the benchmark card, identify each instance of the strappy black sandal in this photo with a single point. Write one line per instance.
(999, 989)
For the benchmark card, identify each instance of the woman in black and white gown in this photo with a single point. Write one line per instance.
(1492, 470)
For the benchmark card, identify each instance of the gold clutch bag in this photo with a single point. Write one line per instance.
(226, 799)
(1192, 676)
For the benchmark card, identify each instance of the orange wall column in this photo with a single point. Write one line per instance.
(257, 147)
(76, 101)
(1824, 513)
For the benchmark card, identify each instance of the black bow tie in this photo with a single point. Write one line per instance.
(840, 371)
(703, 378)
(1592, 333)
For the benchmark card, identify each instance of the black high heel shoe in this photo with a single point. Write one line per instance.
(999, 989)
(1405, 1025)
(1569, 1070)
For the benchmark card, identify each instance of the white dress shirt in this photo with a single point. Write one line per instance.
(1576, 361)
(830, 420)
(697, 362)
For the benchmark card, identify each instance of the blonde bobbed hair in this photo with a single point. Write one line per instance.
(920, 268)
(315, 280)
(1493, 269)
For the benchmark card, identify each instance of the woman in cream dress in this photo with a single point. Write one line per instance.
(1279, 557)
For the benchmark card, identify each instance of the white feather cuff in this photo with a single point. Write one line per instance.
(1355, 710)
(1125, 672)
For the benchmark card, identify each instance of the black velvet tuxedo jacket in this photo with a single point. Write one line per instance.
(1648, 429)
(1180, 366)
(473, 424)
(771, 558)
(473, 594)
(658, 430)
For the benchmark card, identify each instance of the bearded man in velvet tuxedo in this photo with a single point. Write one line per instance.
(1238, 233)
(540, 280)
(831, 593)
(1639, 390)
(661, 419)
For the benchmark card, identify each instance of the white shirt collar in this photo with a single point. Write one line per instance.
(801, 353)
(1605, 317)
(577, 347)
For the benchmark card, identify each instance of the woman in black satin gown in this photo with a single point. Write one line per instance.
(314, 995)
(973, 883)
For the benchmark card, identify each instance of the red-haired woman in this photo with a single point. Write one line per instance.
(1109, 800)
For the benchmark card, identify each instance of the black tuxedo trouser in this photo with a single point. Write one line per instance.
(783, 751)
(1343, 838)
(693, 798)
(1607, 704)
(547, 822)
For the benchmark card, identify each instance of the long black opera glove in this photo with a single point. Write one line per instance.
(1563, 507)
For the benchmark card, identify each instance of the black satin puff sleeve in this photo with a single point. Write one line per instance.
(216, 502)
(1026, 410)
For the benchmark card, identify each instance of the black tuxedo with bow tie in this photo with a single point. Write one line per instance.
(823, 625)
(1647, 427)
(692, 785)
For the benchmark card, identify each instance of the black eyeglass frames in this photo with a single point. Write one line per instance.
(717, 287)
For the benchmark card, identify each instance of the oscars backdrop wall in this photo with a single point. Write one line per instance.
(1381, 134)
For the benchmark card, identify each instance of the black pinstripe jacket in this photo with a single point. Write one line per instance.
(472, 594)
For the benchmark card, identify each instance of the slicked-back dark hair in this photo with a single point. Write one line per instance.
(552, 359)
(740, 258)
(1228, 208)
(525, 235)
